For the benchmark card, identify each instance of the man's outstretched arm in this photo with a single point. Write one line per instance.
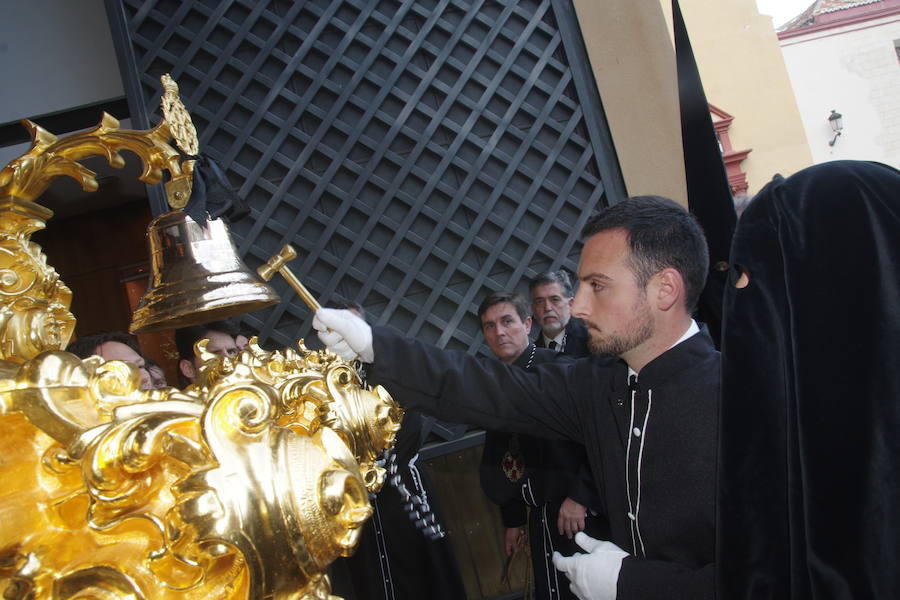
(455, 386)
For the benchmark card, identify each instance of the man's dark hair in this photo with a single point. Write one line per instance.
(514, 298)
(87, 345)
(186, 337)
(661, 234)
(549, 277)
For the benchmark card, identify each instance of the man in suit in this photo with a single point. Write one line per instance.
(529, 478)
(551, 305)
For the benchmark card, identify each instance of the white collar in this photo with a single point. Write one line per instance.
(692, 329)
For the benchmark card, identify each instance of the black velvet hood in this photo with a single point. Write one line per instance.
(809, 455)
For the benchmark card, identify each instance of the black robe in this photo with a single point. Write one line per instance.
(551, 471)
(809, 475)
(399, 556)
(588, 401)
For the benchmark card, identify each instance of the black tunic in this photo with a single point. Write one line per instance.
(397, 558)
(663, 510)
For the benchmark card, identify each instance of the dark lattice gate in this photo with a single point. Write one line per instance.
(418, 154)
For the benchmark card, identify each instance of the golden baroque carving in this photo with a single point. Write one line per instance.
(246, 485)
(34, 303)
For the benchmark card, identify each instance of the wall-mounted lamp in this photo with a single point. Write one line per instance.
(835, 119)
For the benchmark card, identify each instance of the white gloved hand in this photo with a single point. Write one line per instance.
(594, 576)
(345, 334)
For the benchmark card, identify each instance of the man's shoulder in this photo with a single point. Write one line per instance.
(579, 364)
(695, 357)
(542, 355)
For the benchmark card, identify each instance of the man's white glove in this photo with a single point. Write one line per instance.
(345, 334)
(594, 576)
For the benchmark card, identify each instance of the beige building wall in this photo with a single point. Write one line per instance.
(633, 60)
(744, 74)
(852, 69)
(631, 49)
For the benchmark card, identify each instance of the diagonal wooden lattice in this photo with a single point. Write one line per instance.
(418, 153)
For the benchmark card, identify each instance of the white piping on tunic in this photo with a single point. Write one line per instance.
(692, 329)
(528, 493)
(634, 508)
(631, 514)
(383, 561)
(637, 508)
(551, 573)
(526, 486)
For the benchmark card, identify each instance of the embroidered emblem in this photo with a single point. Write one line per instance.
(513, 465)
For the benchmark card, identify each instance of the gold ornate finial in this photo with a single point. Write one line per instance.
(28, 176)
(176, 115)
(181, 127)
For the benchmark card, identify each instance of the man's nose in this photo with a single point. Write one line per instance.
(580, 304)
(146, 380)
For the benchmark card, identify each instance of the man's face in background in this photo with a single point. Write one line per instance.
(552, 309)
(504, 331)
(123, 352)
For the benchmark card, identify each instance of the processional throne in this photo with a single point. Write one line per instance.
(245, 485)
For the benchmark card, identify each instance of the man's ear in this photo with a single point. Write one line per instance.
(528, 325)
(669, 288)
(187, 368)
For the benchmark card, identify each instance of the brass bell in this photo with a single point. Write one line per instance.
(197, 276)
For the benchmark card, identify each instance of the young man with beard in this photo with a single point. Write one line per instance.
(521, 471)
(648, 419)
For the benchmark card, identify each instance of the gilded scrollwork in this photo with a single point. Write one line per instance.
(232, 475)
(246, 484)
(34, 303)
(28, 176)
